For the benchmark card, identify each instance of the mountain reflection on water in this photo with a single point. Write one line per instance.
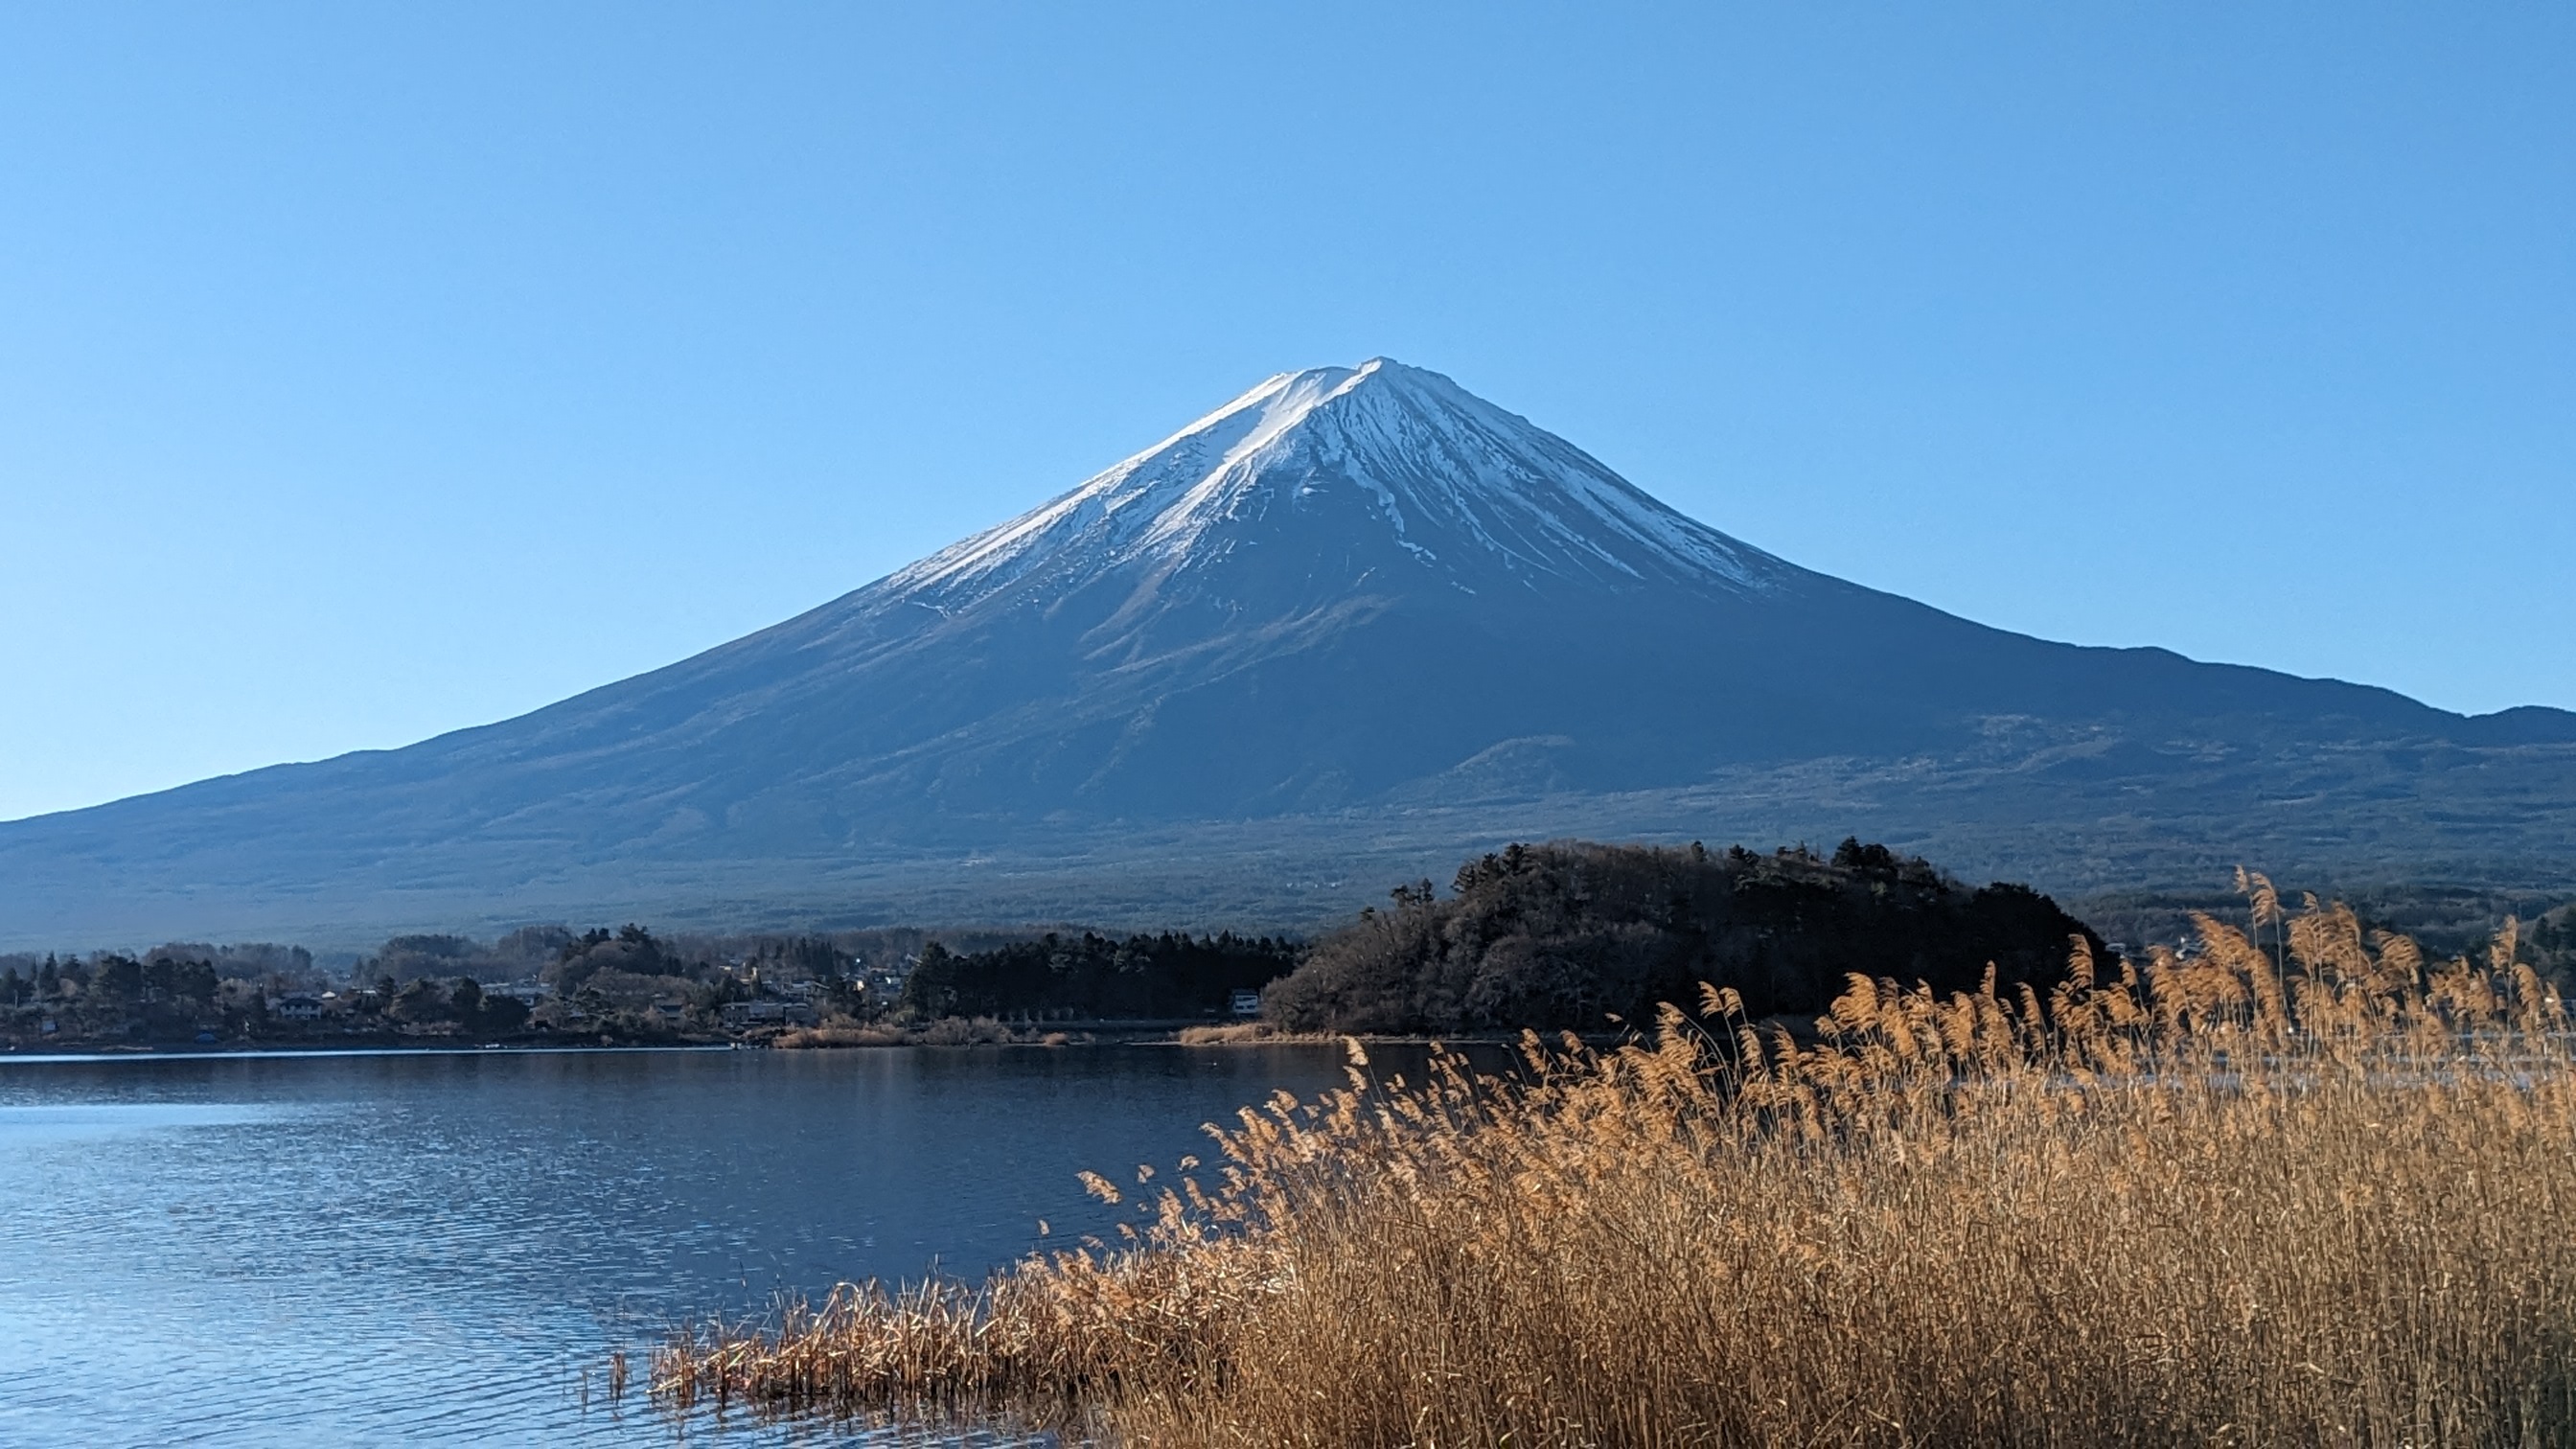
(424, 1248)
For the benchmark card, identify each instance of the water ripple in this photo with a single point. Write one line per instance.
(436, 1249)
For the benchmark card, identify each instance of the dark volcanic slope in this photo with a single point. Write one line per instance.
(1344, 604)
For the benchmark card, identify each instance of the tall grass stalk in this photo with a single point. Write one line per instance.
(2204, 1201)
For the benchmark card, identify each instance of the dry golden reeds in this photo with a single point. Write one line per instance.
(2317, 1198)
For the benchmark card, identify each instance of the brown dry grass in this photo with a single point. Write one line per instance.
(1252, 1033)
(840, 1034)
(947, 1031)
(1233, 1033)
(2209, 1201)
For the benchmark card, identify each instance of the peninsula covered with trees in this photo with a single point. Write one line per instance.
(1574, 935)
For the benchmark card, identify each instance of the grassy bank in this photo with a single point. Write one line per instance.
(2313, 1197)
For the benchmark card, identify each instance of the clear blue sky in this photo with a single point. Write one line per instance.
(369, 371)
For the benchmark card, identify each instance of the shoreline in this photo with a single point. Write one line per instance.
(272, 1053)
(1110, 1036)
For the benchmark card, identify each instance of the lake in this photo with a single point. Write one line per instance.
(306, 1249)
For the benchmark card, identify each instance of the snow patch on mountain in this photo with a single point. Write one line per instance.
(1461, 485)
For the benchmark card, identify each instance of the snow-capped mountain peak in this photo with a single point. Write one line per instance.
(1347, 460)
(1347, 628)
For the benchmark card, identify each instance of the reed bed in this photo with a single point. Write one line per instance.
(2314, 1194)
(1252, 1033)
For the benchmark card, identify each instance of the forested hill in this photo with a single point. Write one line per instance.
(1569, 935)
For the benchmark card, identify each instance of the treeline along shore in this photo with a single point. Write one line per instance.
(1564, 936)
(548, 985)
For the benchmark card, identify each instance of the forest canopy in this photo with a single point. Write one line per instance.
(1571, 934)
(1166, 976)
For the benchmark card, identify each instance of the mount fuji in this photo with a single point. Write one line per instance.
(1341, 630)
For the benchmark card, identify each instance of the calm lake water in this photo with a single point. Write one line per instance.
(408, 1248)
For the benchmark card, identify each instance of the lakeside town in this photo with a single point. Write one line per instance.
(608, 988)
(84, 1004)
